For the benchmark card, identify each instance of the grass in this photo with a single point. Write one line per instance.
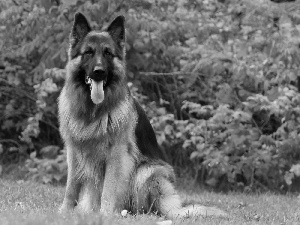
(31, 203)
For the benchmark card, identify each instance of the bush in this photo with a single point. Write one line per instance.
(50, 167)
(220, 78)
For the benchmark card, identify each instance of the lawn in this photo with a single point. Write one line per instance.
(32, 203)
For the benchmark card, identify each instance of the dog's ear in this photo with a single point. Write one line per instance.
(80, 29)
(117, 30)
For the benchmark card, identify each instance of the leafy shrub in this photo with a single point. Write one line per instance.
(51, 167)
(221, 80)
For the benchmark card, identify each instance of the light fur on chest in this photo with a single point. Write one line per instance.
(110, 123)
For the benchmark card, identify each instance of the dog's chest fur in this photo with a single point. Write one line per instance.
(111, 123)
(93, 142)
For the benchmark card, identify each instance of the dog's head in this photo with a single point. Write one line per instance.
(98, 56)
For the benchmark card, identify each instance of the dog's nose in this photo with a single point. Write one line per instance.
(98, 74)
(99, 69)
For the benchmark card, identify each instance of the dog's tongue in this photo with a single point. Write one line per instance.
(97, 92)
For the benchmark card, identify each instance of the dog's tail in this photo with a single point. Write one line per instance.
(195, 211)
(170, 205)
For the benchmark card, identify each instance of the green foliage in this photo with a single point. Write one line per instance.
(50, 167)
(222, 95)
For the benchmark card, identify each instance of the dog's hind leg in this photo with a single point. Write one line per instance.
(169, 201)
(156, 193)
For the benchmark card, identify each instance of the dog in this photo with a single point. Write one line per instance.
(114, 161)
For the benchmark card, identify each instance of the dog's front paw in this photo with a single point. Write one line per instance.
(65, 208)
(107, 211)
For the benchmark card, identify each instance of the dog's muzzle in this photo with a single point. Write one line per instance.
(97, 81)
(97, 75)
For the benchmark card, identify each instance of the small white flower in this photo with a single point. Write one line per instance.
(124, 212)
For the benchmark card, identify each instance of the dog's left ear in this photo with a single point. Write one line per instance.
(117, 30)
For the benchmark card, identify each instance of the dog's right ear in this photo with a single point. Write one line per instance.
(80, 29)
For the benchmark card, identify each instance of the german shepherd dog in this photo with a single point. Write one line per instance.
(114, 162)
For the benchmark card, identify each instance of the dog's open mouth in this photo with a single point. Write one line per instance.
(97, 89)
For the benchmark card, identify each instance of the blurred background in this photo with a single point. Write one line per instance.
(219, 80)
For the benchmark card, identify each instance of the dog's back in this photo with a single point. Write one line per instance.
(145, 136)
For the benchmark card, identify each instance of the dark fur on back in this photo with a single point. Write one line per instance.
(114, 161)
(146, 139)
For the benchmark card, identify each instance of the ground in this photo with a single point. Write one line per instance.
(23, 202)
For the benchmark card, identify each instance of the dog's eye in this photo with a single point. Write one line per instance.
(89, 52)
(107, 52)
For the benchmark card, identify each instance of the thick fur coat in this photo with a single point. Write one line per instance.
(114, 162)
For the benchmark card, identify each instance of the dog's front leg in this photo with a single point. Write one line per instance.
(119, 167)
(73, 185)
